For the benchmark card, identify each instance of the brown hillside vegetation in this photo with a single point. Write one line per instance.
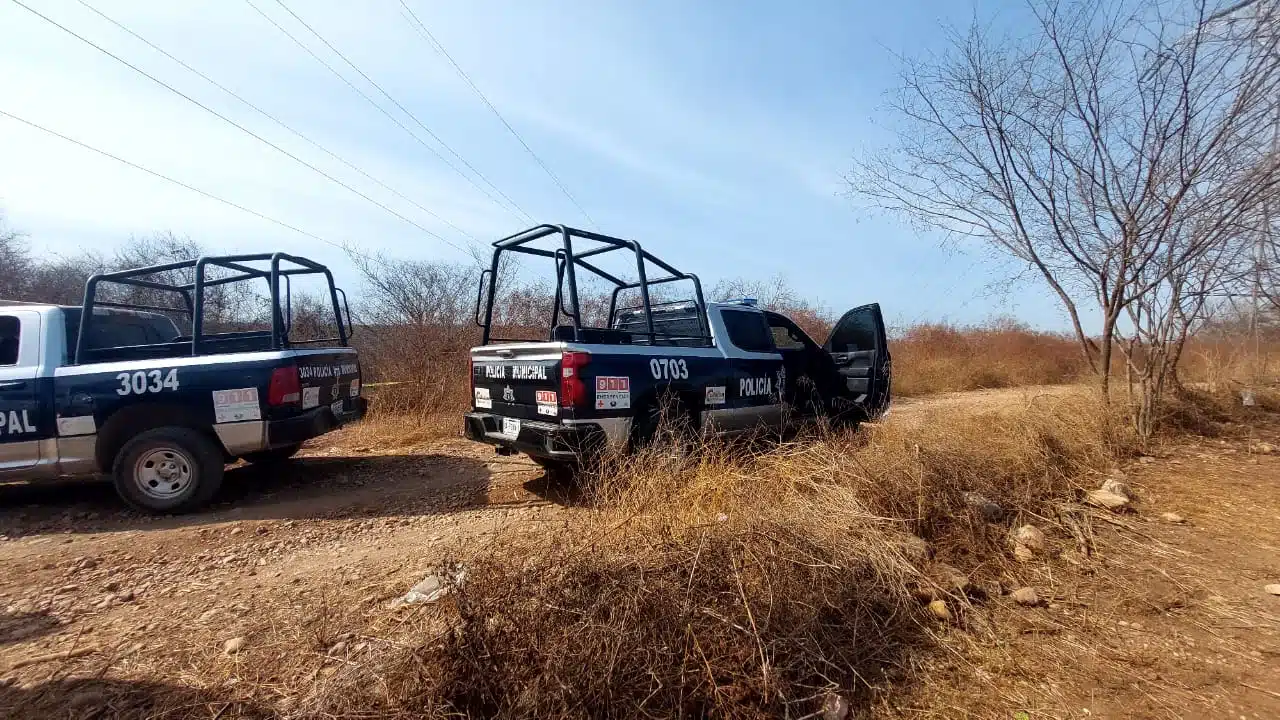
(937, 357)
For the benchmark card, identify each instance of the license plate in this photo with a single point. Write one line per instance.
(336, 407)
(511, 427)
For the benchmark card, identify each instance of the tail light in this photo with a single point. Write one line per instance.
(285, 388)
(471, 374)
(573, 389)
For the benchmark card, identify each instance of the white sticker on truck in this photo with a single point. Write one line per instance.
(78, 425)
(613, 393)
(482, 398)
(547, 403)
(715, 395)
(236, 405)
(310, 397)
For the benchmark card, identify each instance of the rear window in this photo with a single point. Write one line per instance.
(748, 330)
(121, 329)
(10, 331)
(680, 320)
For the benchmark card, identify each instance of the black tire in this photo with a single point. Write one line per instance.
(168, 470)
(274, 456)
(649, 423)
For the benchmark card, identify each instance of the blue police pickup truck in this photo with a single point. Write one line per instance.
(719, 368)
(117, 386)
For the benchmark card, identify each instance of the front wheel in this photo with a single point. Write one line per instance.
(168, 470)
(274, 456)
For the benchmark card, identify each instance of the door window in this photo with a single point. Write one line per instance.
(10, 330)
(786, 335)
(747, 330)
(855, 333)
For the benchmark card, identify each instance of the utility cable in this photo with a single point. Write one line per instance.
(413, 117)
(231, 122)
(422, 28)
(166, 178)
(275, 120)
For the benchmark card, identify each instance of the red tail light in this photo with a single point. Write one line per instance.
(573, 389)
(285, 388)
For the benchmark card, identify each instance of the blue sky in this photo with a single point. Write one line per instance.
(716, 133)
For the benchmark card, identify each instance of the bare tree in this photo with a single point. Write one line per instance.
(15, 262)
(777, 295)
(1112, 152)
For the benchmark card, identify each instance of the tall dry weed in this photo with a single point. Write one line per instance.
(726, 583)
(937, 357)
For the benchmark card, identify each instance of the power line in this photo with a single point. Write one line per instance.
(545, 168)
(406, 111)
(229, 121)
(166, 178)
(274, 119)
(378, 107)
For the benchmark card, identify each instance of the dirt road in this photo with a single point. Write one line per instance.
(1169, 620)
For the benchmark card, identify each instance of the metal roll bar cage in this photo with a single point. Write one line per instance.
(568, 261)
(192, 294)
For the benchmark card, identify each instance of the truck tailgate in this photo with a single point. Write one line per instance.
(329, 378)
(518, 381)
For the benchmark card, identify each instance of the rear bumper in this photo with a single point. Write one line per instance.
(542, 439)
(313, 423)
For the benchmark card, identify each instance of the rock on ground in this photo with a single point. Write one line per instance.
(1106, 499)
(234, 645)
(990, 511)
(1119, 487)
(1026, 596)
(940, 610)
(1172, 517)
(1273, 589)
(834, 707)
(1030, 537)
(433, 587)
(916, 549)
(429, 589)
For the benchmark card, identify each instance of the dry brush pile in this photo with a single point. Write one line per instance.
(708, 583)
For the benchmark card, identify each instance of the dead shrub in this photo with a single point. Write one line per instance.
(1216, 410)
(716, 584)
(937, 357)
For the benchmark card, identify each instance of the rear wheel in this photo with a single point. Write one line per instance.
(667, 418)
(274, 456)
(168, 470)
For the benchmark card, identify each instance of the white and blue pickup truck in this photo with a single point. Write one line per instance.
(115, 387)
(720, 368)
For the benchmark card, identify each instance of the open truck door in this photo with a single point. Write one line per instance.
(860, 348)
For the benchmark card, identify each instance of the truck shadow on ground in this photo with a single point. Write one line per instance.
(94, 698)
(307, 488)
(23, 626)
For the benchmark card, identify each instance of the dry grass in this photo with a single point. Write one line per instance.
(935, 357)
(383, 430)
(735, 580)
(726, 583)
